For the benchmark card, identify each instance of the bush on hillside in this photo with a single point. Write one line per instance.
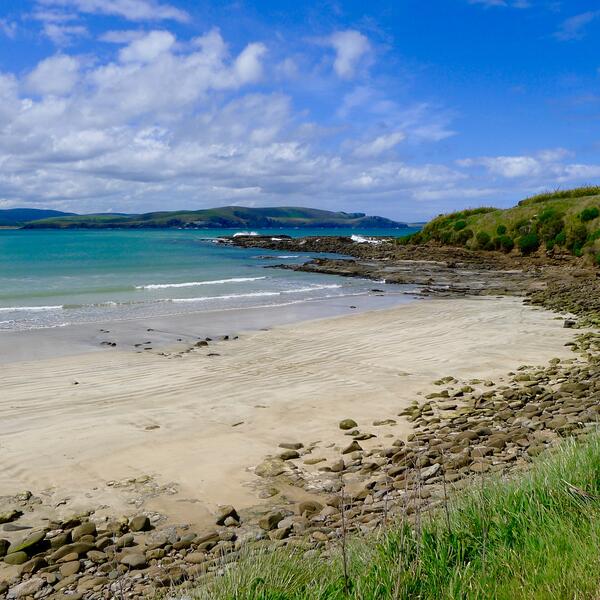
(483, 240)
(506, 243)
(464, 236)
(528, 243)
(589, 214)
(501, 229)
(459, 225)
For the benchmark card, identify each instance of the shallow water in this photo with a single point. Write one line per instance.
(54, 278)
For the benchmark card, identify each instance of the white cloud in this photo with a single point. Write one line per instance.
(573, 28)
(248, 66)
(380, 144)
(63, 35)
(132, 10)
(148, 48)
(350, 47)
(55, 75)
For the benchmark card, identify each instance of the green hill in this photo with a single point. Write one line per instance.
(565, 221)
(15, 217)
(226, 217)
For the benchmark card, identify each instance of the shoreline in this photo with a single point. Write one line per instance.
(178, 331)
(240, 398)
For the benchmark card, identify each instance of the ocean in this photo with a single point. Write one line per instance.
(53, 278)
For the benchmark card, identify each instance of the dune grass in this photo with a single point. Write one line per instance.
(536, 536)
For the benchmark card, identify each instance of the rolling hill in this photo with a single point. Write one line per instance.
(15, 217)
(216, 218)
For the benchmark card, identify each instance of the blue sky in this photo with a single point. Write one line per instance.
(404, 109)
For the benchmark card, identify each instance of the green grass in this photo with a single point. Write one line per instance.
(529, 538)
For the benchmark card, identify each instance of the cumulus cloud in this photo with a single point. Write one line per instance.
(132, 10)
(380, 144)
(350, 48)
(55, 75)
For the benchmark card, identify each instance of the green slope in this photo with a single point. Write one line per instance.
(13, 217)
(564, 221)
(226, 217)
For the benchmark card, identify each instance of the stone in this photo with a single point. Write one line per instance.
(125, 541)
(27, 588)
(384, 422)
(270, 520)
(16, 558)
(195, 558)
(78, 548)
(29, 544)
(10, 516)
(291, 445)
(4, 546)
(271, 467)
(70, 568)
(289, 455)
(82, 530)
(96, 556)
(139, 523)
(309, 507)
(348, 424)
(429, 472)
(280, 534)
(353, 447)
(134, 560)
(223, 512)
(319, 536)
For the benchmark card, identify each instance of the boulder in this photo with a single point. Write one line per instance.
(353, 447)
(10, 516)
(30, 544)
(270, 520)
(139, 523)
(271, 467)
(134, 560)
(26, 588)
(82, 530)
(348, 424)
(223, 512)
(16, 558)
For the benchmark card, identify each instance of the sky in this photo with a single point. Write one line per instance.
(401, 108)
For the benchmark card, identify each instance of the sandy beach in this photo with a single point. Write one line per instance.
(190, 426)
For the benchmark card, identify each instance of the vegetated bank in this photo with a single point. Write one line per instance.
(557, 222)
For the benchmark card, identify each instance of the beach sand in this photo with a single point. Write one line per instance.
(190, 427)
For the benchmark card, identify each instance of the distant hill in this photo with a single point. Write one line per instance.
(566, 221)
(14, 217)
(230, 217)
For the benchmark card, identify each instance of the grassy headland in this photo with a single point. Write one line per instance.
(566, 221)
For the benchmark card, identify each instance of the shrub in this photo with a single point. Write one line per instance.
(589, 214)
(506, 243)
(483, 239)
(459, 225)
(464, 236)
(501, 229)
(561, 238)
(576, 238)
(528, 243)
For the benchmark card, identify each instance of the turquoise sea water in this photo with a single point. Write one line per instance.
(53, 278)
